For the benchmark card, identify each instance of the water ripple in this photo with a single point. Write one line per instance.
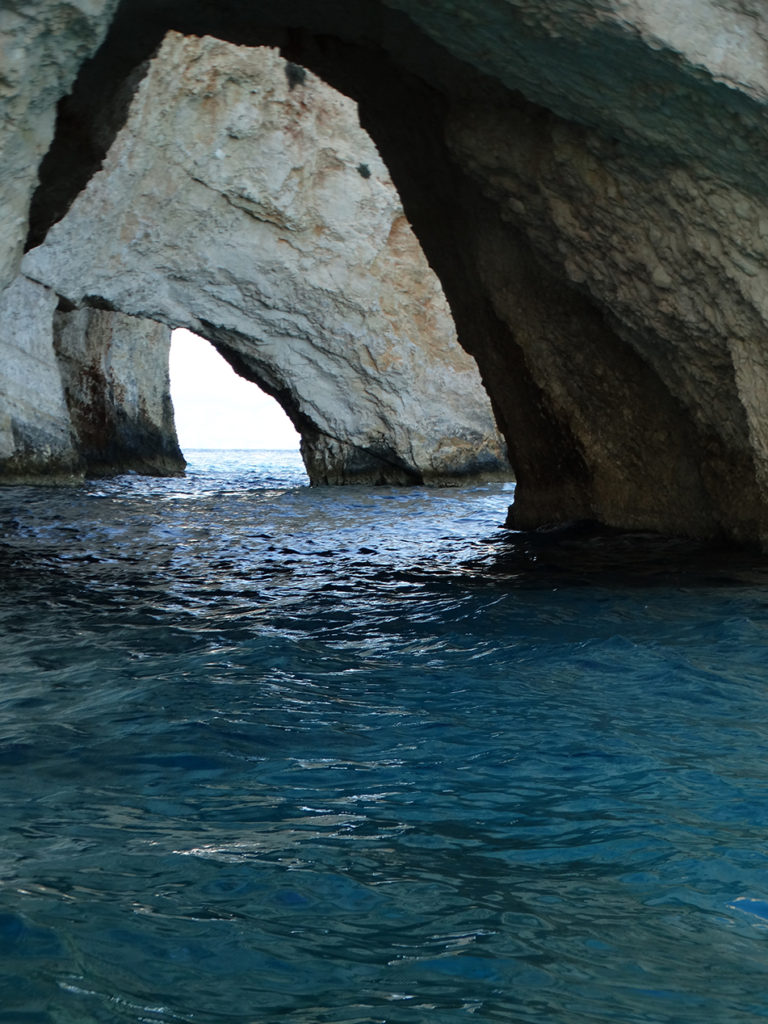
(280, 754)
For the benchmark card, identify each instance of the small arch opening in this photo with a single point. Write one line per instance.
(216, 409)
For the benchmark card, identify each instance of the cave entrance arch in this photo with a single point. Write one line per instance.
(242, 200)
(594, 396)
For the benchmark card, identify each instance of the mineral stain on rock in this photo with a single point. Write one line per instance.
(295, 74)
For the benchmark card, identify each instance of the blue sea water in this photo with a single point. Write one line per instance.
(272, 753)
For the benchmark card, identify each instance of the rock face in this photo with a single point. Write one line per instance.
(243, 200)
(114, 369)
(648, 295)
(81, 392)
(589, 181)
(42, 46)
(36, 438)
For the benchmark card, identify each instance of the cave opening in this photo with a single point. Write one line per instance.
(414, 99)
(217, 409)
(244, 202)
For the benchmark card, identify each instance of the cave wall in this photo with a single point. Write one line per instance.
(589, 181)
(243, 200)
(114, 371)
(36, 437)
(661, 257)
(42, 47)
(84, 392)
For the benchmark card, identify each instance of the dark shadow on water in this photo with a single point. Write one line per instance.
(588, 554)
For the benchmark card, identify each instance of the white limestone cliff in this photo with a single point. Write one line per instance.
(114, 370)
(36, 437)
(42, 45)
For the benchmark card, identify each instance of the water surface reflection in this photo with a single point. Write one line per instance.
(277, 754)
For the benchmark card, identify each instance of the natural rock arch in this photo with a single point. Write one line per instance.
(243, 201)
(589, 182)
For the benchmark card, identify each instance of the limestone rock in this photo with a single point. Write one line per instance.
(666, 247)
(115, 374)
(85, 392)
(623, 247)
(36, 440)
(42, 46)
(253, 209)
(590, 181)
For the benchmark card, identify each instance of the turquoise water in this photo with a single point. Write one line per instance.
(272, 753)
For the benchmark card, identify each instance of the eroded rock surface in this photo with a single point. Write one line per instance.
(36, 437)
(114, 370)
(243, 200)
(623, 249)
(589, 181)
(83, 392)
(42, 46)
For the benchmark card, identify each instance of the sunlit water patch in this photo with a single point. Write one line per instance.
(272, 753)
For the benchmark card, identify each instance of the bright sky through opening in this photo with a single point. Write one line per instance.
(215, 408)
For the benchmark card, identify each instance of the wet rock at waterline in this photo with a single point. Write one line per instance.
(245, 202)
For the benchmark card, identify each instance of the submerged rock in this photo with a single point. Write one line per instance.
(244, 201)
